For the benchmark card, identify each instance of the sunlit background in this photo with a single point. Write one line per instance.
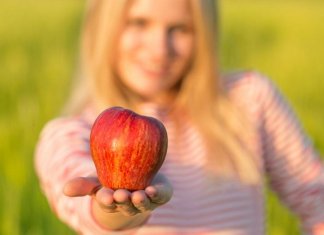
(38, 53)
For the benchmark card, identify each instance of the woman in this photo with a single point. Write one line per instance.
(226, 132)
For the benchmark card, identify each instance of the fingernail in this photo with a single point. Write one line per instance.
(152, 195)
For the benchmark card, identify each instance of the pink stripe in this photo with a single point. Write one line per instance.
(63, 152)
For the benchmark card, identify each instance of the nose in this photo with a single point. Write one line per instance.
(160, 44)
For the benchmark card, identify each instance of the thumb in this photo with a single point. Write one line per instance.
(81, 186)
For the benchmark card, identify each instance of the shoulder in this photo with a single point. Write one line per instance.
(248, 85)
(248, 79)
(252, 91)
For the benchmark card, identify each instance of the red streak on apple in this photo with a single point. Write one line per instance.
(127, 148)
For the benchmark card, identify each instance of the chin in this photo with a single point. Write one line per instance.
(151, 96)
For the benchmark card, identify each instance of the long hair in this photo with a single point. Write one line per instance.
(201, 95)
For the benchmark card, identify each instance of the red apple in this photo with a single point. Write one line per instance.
(127, 148)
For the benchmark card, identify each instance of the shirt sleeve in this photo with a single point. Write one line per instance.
(62, 153)
(294, 168)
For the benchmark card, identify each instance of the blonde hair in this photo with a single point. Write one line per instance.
(205, 102)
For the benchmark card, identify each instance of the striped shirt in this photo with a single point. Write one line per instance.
(198, 206)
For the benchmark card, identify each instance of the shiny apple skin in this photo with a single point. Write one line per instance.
(128, 149)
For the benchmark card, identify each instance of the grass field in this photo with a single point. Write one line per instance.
(38, 48)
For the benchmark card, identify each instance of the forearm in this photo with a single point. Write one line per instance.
(116, 220)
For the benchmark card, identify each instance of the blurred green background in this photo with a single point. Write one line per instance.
(38, 53)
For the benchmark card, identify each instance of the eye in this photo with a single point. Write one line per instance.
(181, 28)
(137, 22)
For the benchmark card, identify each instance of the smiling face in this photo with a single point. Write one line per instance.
(155, 47)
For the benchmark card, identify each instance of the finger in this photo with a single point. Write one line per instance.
(151, 192)
(160, 191)
(141, 201)
(81, 186)
(123, 202)
(159, 194)
(105, 199)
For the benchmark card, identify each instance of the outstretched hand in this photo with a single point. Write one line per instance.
(121, 200)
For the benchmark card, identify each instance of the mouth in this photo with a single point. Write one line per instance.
(154, 70)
